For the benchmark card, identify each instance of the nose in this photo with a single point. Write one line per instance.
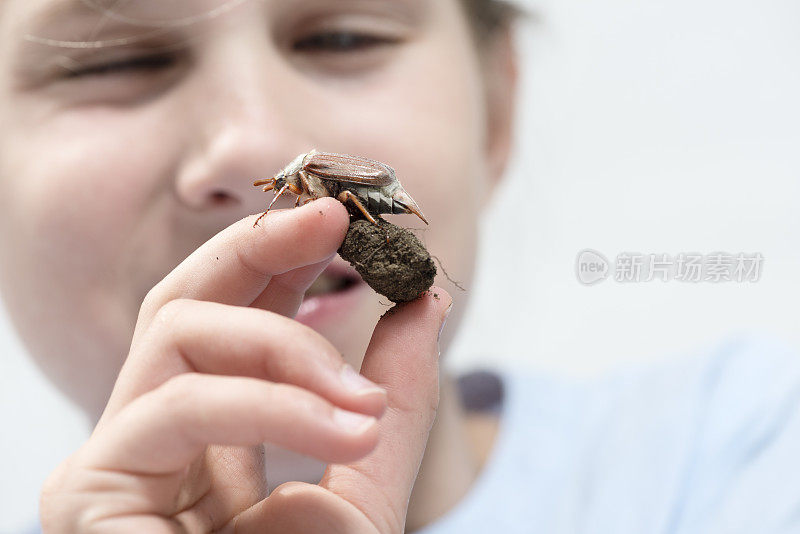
(219, 174)
(238, 132)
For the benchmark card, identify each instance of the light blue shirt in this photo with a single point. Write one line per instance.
(710, 444)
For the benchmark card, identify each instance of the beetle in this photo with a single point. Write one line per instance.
(367, 185)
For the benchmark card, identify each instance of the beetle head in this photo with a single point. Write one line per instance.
(280, 180)
(403, 203)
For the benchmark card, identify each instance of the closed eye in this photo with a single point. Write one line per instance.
(341, 42)
(152, 63)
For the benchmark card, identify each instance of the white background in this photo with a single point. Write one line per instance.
(656, 127)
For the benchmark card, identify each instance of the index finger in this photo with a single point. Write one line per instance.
(235, 266)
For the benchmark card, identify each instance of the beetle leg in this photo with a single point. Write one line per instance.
(304, 181)
(277, 196)
(314, 189)
(297, 190)
(344, 196)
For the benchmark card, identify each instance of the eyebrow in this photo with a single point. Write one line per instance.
(46, 26)
(59, 34)
(107, 21)
(57, 11)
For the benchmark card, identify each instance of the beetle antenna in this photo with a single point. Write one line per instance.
(277, 196)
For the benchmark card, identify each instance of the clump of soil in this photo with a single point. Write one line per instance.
(389, 258)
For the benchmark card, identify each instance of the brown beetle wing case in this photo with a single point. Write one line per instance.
(353, 169)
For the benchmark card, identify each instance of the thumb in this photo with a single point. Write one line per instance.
(403, 357)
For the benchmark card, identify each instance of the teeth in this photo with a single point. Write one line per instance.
(325, 284)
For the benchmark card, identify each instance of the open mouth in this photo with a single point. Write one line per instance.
(333, 280)
(333, 296)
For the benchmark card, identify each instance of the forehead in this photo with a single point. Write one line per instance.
(46, 20)
(142, 11)
(157, 11)
(67, 21)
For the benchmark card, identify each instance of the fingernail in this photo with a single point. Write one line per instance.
(355, 423)
(358, 383)
(444, 320)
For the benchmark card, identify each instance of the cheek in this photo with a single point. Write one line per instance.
(87, 178)
(73, 191)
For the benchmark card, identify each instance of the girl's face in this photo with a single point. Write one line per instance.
(131, 132)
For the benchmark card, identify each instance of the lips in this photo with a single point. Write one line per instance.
(336, 292)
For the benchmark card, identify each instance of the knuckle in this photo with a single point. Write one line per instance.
(183, 384)
(51, 489)
(425, 401)
(300, 400)
(305, 371)
(180, 391)
(432, 405)
(248, 257)
(288, 369)
(59, 510)
(54, 481)
(330, 356)
(316, 352)
(171, 310)
(168, 316)
(152, 299)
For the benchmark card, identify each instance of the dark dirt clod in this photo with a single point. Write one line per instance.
(400, 269)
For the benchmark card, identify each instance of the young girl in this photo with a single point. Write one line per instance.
(132, 132)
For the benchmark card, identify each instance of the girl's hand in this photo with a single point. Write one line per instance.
(217, 368)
